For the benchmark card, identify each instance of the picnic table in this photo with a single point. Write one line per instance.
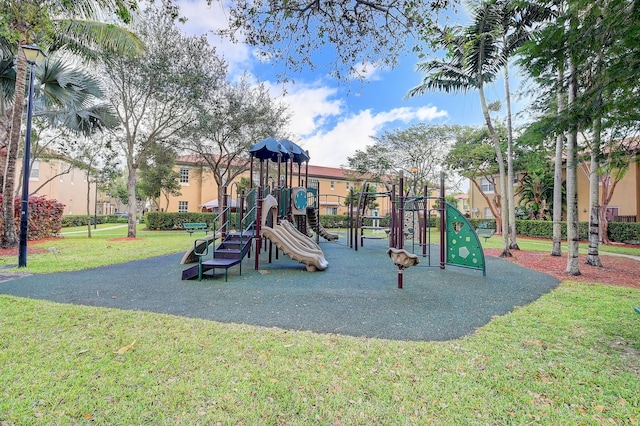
(485, 232)
(196, 226)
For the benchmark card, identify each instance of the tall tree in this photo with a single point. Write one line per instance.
(600, 42)
(158, 94)
(158, 179)
(421, 146)
(556, 249)
(513, 21)
(473, 61)
(57, 24)
(573, 230)
(94, 155)
(234, 117)
(474, 157)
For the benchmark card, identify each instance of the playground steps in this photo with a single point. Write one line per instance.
(228, 253)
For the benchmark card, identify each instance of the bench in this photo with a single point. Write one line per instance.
(485, 233)
(193, 227)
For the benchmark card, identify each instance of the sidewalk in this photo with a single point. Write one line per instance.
(84, 231)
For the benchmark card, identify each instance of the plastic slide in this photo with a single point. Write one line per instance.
(312, 217)
(292, 242)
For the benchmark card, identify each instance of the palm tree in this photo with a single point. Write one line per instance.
(474, 60)
(69, 98)
(536, 193)
(512, 23)
(63, 24)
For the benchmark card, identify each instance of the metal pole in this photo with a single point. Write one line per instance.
(443, 223)
(95, 208)
(425, 220)
(24, 210)
(258, 225)
(400, 235)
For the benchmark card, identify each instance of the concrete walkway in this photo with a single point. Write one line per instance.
(84, 231)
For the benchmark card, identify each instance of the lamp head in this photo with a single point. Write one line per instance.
(414, 169)
(33, 54)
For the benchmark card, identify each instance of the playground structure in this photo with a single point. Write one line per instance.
(273, 213)
(289, 239)
(410, 221)
(276, 214)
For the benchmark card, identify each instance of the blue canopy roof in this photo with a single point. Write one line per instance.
(298, 154)
(269, 149)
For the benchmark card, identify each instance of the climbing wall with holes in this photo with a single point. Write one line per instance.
(463, 245)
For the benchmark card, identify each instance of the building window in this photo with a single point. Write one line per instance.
(184, 175)
(347, 184)
(487, 213)
(486, 186)
(333, 184)
(183, 206)
(34, 173)
(332, 210)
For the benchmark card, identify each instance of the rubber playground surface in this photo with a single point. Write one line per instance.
(356, 295)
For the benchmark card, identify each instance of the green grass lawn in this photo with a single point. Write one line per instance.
(74, 251)
(571, 357)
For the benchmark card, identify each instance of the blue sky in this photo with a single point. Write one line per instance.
(332, 119)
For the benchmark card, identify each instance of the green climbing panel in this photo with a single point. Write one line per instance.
(463, 245)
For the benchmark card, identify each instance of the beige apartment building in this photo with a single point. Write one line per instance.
(625, 204)
(59, 180)
(199, 189)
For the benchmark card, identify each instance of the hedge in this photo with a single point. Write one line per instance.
(622, 232)
(84, 220)
(618, 231)
(625, 232)
(168, 221)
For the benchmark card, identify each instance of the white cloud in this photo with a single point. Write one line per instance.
(366, 71)
(332, 147)
(310, 105)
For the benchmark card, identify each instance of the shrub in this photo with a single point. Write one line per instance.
(624, 232)
(45, 217)
(167, 221)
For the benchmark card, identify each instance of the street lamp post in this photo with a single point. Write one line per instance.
(34, 55)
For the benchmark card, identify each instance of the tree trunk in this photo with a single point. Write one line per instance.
(88, 206)
(593, 257)
(509, 194)
(131, 188)
(573, 237)
(604, 222)
(556, 249)
(10, 235)
(503, 184)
